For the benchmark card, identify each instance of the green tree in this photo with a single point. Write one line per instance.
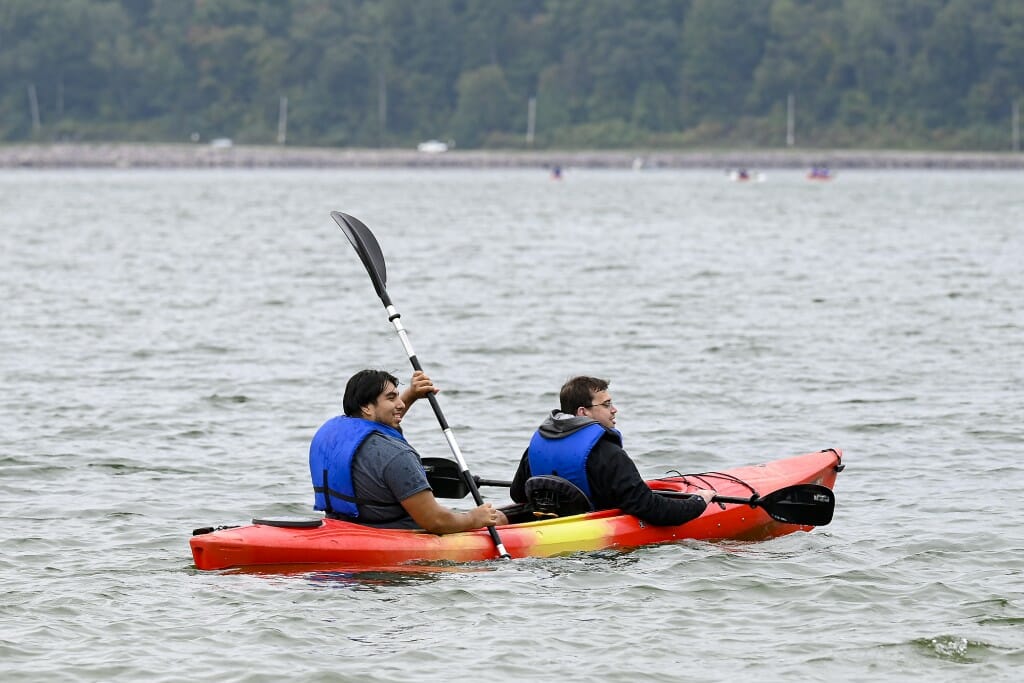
(801, 58)
(723, 44)
(426, 57)
(941, 72)
(485, 106)
(654, 107)
(554, 102)
(605, 72)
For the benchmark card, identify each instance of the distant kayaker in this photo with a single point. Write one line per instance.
(364, 471)
(579, 442)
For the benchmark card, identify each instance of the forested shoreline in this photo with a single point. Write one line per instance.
(940, 75)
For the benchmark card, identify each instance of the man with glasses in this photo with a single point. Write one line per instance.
(579, 442)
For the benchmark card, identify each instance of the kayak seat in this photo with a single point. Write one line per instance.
(552, 496)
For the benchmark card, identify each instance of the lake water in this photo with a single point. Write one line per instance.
(171, 340)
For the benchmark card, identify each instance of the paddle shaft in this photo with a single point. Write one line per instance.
(805, 504)
(752, 501)
(369, 252)
(668, 494)
(396, 319)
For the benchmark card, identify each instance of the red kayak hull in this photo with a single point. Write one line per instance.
(342, 543)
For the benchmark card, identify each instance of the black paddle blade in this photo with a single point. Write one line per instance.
(445, 478)
(369, 251)
(805, 504)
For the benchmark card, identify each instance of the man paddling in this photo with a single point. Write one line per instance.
(579, 442)
(364, 471)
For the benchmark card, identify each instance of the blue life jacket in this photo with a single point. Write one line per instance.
(330, 462)
(567, 457)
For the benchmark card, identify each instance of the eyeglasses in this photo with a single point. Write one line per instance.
(607, 404)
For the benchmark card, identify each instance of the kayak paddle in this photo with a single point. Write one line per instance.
(370, 254)
(446, 480)
(803, 504)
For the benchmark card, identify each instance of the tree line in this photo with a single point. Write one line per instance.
(930, 74)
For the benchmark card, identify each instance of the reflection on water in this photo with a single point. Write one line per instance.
(362, 575)
(403, 576)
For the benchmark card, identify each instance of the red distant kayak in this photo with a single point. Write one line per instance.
(333, 542)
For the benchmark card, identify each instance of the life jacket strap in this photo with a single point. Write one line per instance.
(331, 493)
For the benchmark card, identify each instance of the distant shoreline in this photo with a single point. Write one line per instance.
(132, 155)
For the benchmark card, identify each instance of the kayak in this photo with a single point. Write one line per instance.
(746, 176)
(318, 541)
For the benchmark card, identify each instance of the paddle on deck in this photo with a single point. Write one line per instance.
(802, 504)
(370, 254)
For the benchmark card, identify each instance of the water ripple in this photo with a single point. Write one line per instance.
(165, 363)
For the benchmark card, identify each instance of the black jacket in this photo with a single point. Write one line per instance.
(614, 479)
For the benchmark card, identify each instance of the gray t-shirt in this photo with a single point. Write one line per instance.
(387, 470)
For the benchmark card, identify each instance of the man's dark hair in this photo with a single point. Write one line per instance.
(364, 387)
(578, 392)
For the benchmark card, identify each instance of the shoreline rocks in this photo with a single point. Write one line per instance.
(132, 155)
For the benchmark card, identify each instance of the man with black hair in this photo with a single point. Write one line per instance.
(364, 471)
(579, 442)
